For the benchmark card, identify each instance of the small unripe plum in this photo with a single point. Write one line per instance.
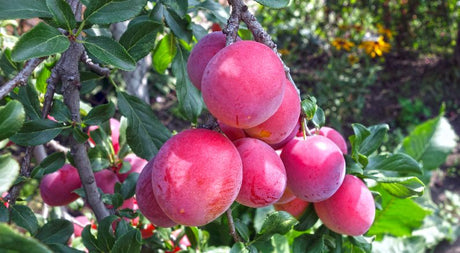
(201, 53)
(315, 167)
(334, 136)
(106, 180)
(350, 211)
(295, 207)
(196, 176)
(146, 201)
(57, 188)
(232, 133)
(243, 84)
(114, 136)
(264, 176)
(137, 164)
(281, 124)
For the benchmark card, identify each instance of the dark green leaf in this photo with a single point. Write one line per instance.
(374, 140)
(278, 222)
(110, 52)
(198, 31)
(12, 116)
(180, 7)
(398, 162)
(122, 228)
(128, 188)
(60, 111)
(79, 135)
(242, 229)
(178, 25)
(112, 11)
(125, 167)
(29, 99)
(139, 38)
(430, 142)
(360, 133)
(274, 3)
(193, 234)
(55, 231)
(398, 217)
(43, 76)
(129, 242)
(89, 240)
(353, 167)
(9, 171)
(164, 53)
(61, 248)
(402, 187)
(50, 164)
(41, 40)
(7, 65)
(36, 132)
(309, 243)
(145, 133)
(24, 217)
(157, 13)
(361, 242)
(216, 9)
(22, 9)
(105, 236)
(62, 13)
(188, 95)
(307, 220)
(100, 114)
(13, 241)
(309, 107)
(4, 213)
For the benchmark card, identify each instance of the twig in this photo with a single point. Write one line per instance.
(24, 171)
(233, 23)
(21, 78)
(93, 66)
(231, 226)
(57, 146)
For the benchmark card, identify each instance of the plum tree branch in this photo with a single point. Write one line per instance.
(93, 66)
(231, 226)
(21, 78)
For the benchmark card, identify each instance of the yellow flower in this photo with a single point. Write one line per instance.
(352, 59)
(375, 47)
(340, 43)
(384, 31)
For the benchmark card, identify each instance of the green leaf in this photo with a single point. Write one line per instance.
(145, 133)
(309, 107)
(60, 111)
(188, 95)
(360, 134)
(242, 229)
(180, 7)
(55, 231)
(178, 25)
(13, 241)
(319, 119)
(50, 164)
(22, 9)
(372, 142)
(29, 99)
(398, 162)
(12, 116)
(42, 77)
(199, 31)
(99, 158)
(99, 114)
(112, 11)
(61, 248)
(402, 187)
(105, 236)
(41, 40)
(239, 248)
(4, 213)
(110, 52)
(8, 66)
(430, 142)
(89, 240)
(307, 220)
(62, 13)
(193, 234)
(309, 243)
(79, 135)
(129, 242)
(24, 217)
(139, 38)
(36, 132)
(9, 171)
(398, 217)
(277, 4)
(278, 222)
(128, 188)
(164, 53)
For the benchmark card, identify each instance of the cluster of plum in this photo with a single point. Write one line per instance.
(258, 160)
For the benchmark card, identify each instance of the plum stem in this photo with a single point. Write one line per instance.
(231, 226)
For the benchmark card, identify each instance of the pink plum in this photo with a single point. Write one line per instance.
(56, 189)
